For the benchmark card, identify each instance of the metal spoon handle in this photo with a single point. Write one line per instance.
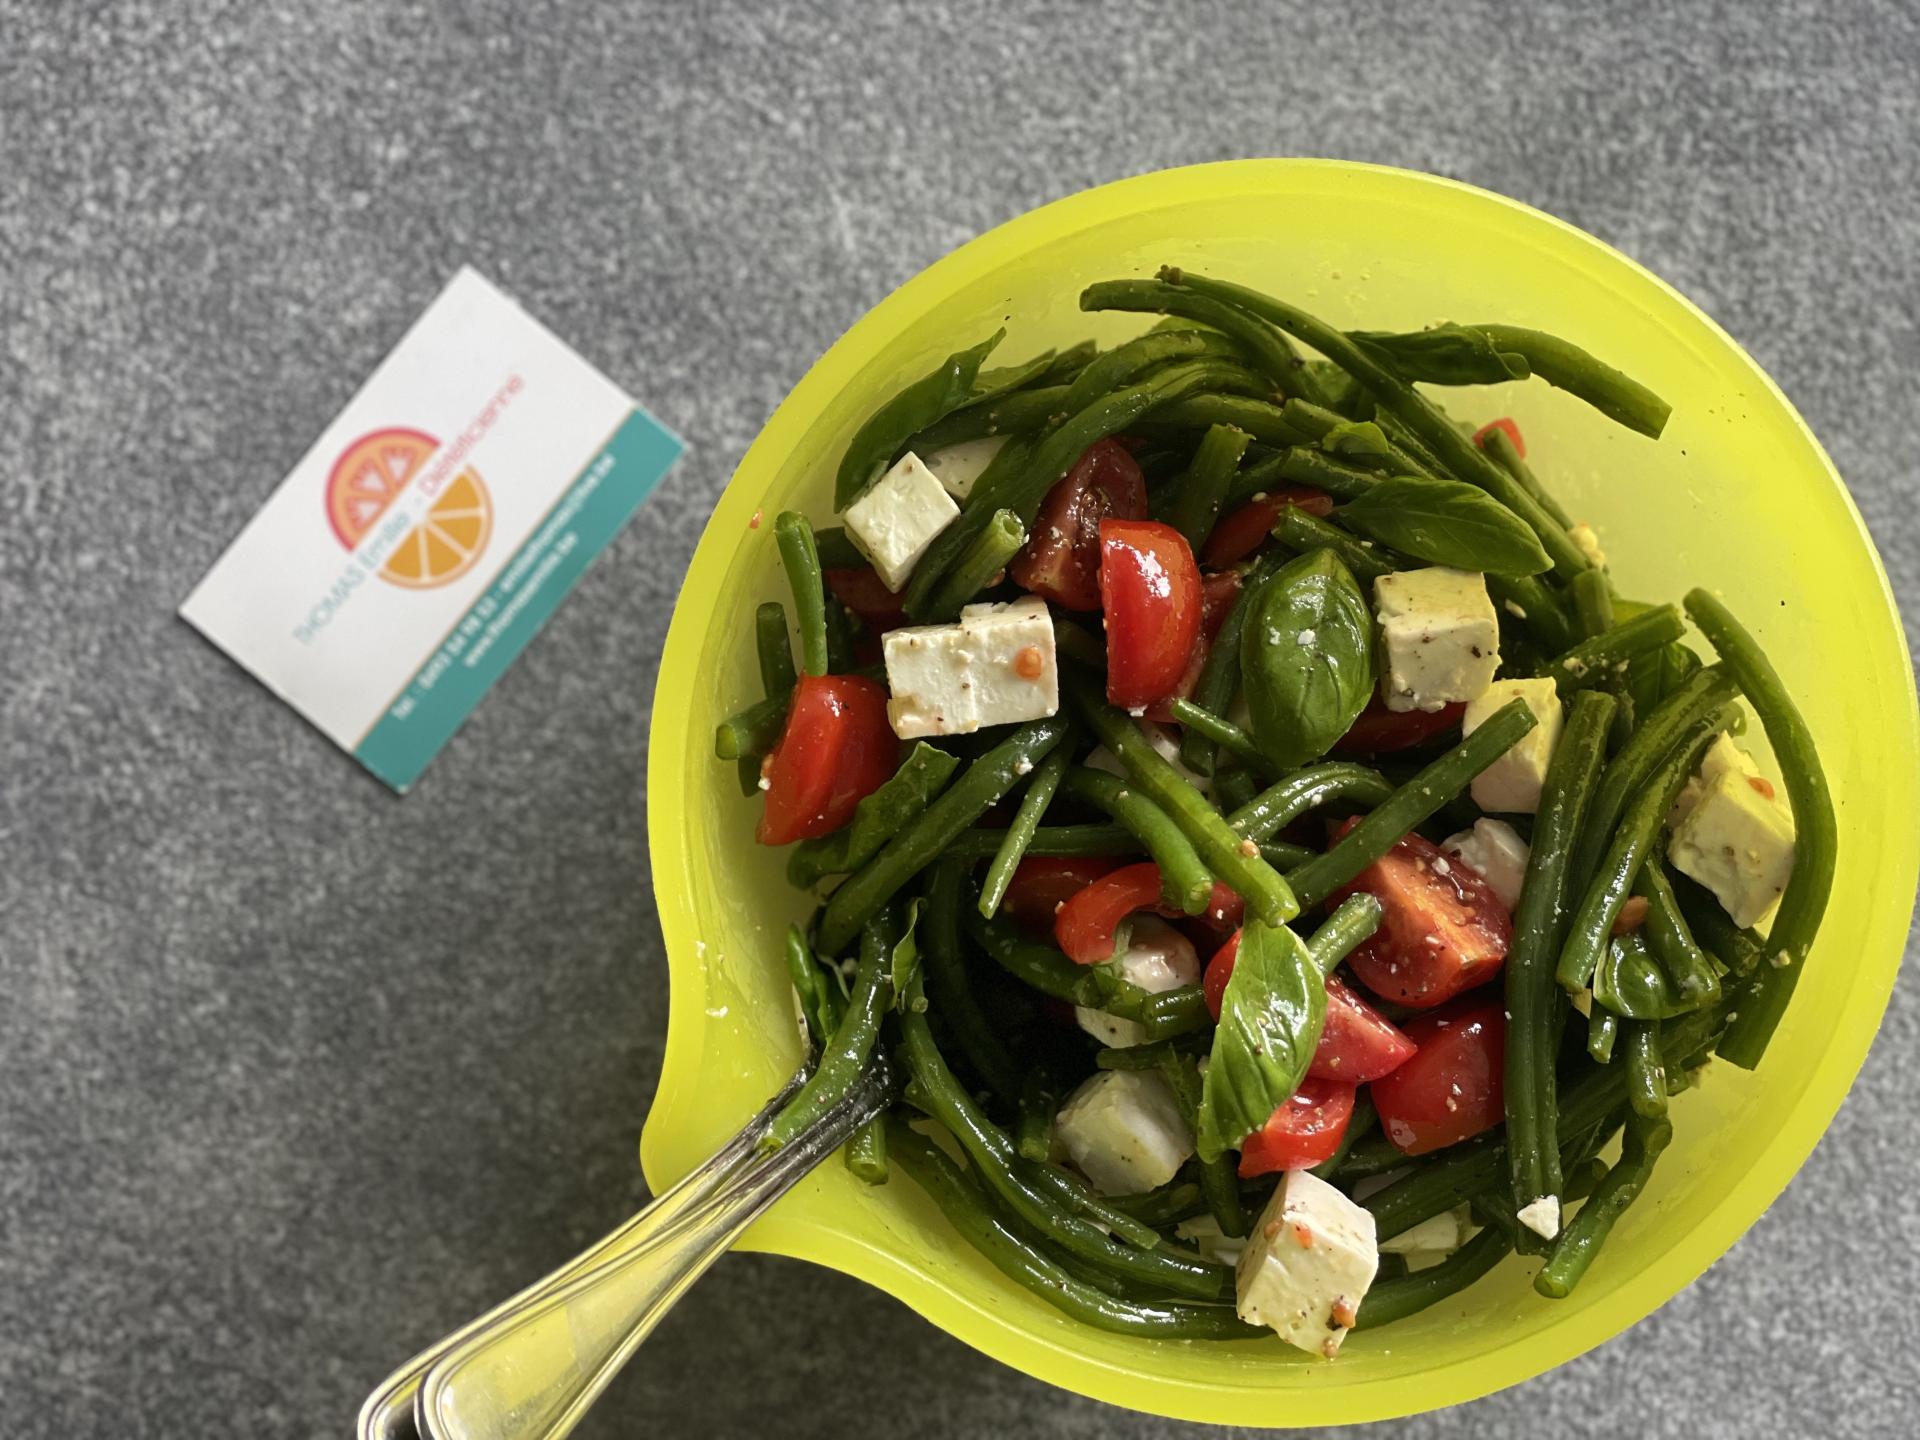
(532, 1372)
(388, 1413)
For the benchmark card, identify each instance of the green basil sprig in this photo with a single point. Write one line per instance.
(1270, 1021)
(1447, 522)
(1306, 658)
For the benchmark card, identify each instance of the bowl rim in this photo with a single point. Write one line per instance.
(1545, 1347)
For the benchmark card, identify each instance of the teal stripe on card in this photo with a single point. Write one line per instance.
(479, 649)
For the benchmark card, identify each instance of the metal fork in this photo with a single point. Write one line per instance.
(529, 1368)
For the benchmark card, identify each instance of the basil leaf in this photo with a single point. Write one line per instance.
(905, 968)
(1632, 984)
(1306, 658)
(876, 819)
(1447, 522)
(992, 384)
(932, 397)
(1445, 355)
(1270, 1021)
(1356, 440)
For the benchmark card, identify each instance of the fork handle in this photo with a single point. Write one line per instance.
(532, 1371)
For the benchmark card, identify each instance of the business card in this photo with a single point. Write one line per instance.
(439, 520)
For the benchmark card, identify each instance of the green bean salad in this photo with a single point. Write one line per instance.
(1279, 874)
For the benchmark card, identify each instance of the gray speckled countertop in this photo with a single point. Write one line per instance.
(294, 1076)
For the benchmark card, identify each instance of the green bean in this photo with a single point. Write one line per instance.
(1170, 1204)
(1304, 466)
(1185, 881)
(1075, 644)
(1033, 1118)
(1646, 1070)
(1500, 446)
(1019, 1189)
(1592, 602)
(1359, 1127)
(1445, 354)
(1167, 1013)
(1260, 419)
(876, 819)
(1736, 949)
(802, 561)
(987, 556)
(1039, 967)
(1301, 532)
(1224, 733)
(1599, 659)
(1272, 355)
(1672, 941)
(945, 962)
(1145, 1056)
(1404, 1295)
(753, 731)
(840, 656)
(1113, 368)
(1639, 828)
(1283, 856)
(1023, 1260)
(836, 551)
(1026, 820)
(1328, 783)
(1233, 786)
(1456, 454)
(1017, 414)
(1580, 1241)
(1698, 707)
(1369, 1155)
(1603, 1032)
(845, 1056)
(776, 654)
(1764, 994)
(1416, 801)
(1023, 489)
(807, 983)
(1051, 840)
(1231, 856)
(1196, 505)
(1567, 367)
(1220, 676)
(1320, 422)
(1353, 920)
(933, 579)
(926, 837)
(1528, 600)
(1075, 1194)
(866, 1152)
(1539, 921)
(1069, 363)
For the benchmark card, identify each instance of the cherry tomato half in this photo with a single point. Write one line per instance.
(1043, 883)
(1061, 562)
(1150, 589)
(836, 750)
(1086, 927)
(1357, 1044)
(1444, 930)
(1453, 1087)
(1307, 1128)
(1241, 532)
(1379, 731)
(1217, 594)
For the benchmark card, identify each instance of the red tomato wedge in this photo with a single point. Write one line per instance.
(1513, 434)
(1453, 1088)
(1150, 589)
(1241, 532)
(1379, 731)
(1357, 1044)
(1217, 594)
(1043, 883)
(1086, 927)
(837, 749)
(1444, 930)
(1061, 562)
(866, 595)
(1306, 1129)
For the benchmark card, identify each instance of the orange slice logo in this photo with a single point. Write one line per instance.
(370, 476)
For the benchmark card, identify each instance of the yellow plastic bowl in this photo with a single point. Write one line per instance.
(1737, 495)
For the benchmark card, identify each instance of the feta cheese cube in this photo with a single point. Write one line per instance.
(1542, 1216)
(1156, 958)
(895, 521)
(1723, 757)
(1495, 851)
(1738, 842)
(1204, 1234)
(1512, 783)
(1308, 1264)
(957, 467)
(994, 666)
(1439, 637)
(1123, 1130)
(1587, 541)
